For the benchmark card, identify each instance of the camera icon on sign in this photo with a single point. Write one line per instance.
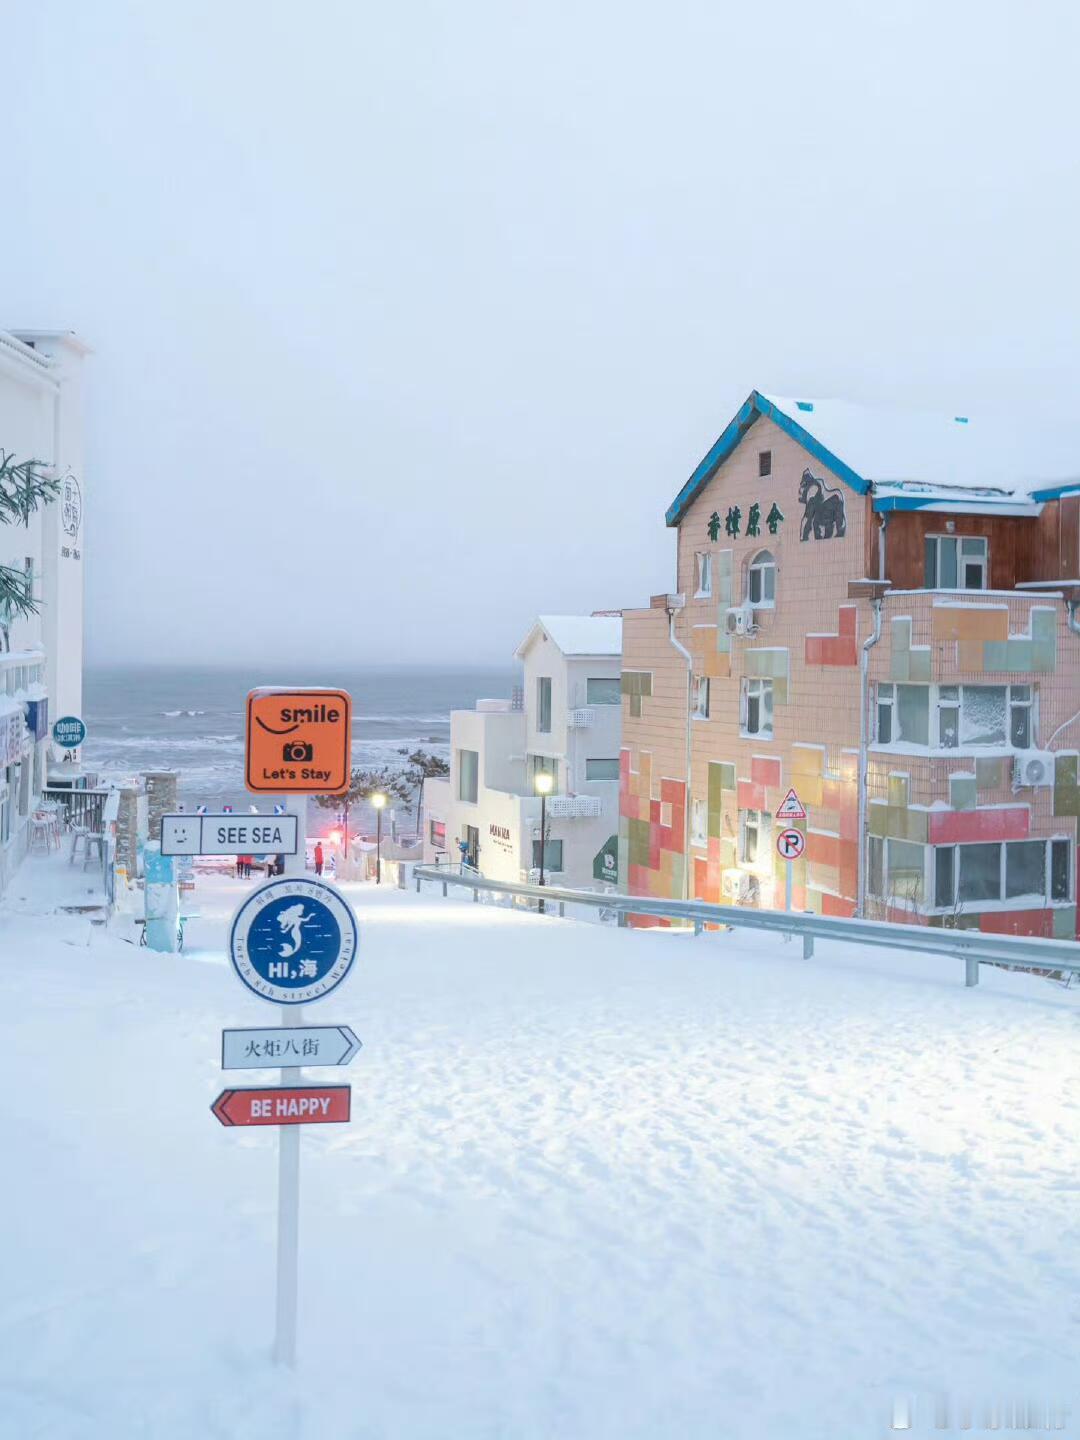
(296, 751)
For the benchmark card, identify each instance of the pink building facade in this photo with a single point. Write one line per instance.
(877, 612)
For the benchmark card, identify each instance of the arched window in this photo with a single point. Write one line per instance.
(761, 580)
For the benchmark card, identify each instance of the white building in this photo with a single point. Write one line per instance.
(40, 654)
(568, 723)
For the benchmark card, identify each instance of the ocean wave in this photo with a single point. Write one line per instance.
(172, 714)
(409, 717)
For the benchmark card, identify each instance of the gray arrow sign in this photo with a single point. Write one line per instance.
(281, 1047)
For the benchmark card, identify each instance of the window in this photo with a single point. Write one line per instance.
(1015, 870)
(552, 855)
(754, 828)
(1059, 870)
(903, 714)
(602, 769)
(703, 571)
(757, 707)
(894, 869)
(944, 875)
(761, 580)
(985, 715)
(699, 823)
(468, 775)
(904, 874)
(967, 716)
(699, 697)
(1025, 869)
(602, 690)
(543, 765)
(543, 704)
(956, 562)
(764, 463)
(437, 833)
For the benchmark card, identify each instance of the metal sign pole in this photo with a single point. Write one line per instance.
(787, 887)
(288, 1237)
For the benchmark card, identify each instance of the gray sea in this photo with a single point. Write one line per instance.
(190, 719)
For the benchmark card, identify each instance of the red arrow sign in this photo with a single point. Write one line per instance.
(285, 1105)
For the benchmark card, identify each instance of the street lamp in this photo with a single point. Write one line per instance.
(378, 800)
(542, 783)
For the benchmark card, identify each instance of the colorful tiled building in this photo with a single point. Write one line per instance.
(878, 611)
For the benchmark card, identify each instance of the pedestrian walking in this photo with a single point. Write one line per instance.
(318, 857)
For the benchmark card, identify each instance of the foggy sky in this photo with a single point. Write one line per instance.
(411, 319)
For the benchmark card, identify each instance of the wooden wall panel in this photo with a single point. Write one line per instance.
(1021, 548)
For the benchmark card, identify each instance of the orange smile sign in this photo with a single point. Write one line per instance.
(299, 742)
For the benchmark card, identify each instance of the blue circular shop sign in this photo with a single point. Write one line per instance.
(293, 941)
(69, 732)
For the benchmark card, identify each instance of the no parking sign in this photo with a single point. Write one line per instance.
(790, 844)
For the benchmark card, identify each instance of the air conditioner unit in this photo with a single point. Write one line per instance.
(739, 885)
(739, 620)
(1033, 768)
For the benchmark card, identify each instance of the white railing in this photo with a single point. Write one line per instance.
(579, 719)
(971, 946)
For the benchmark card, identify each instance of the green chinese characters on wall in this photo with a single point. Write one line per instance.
(731, 524)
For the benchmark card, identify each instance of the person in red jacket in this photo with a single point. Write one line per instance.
(318, 857)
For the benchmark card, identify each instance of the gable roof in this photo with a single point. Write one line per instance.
(577, 634)
(911, 459)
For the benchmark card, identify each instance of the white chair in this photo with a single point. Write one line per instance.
(40, 833)
(79, 836)
(95, 846)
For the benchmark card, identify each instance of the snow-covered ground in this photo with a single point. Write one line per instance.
(597, 1184)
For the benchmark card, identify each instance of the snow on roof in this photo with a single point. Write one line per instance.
(579, 634)
(1008, 453)
(1006, 463)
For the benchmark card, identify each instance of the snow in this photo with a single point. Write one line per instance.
(1007, 453)
(580, 634)
(598, 1183)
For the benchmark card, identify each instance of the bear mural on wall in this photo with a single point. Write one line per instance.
(823, 509)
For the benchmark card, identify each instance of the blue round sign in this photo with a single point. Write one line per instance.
(293, 941)
(69, 732)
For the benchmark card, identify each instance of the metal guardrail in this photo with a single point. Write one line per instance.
(973, 947)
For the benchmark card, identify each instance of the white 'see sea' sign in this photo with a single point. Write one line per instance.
(228, 834)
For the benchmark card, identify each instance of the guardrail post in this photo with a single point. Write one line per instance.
(562, 910)
(476, 894)
(808, 947)
(444, 889)
(971, 971)
(698, 927)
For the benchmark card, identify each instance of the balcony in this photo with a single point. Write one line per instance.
(580, 719)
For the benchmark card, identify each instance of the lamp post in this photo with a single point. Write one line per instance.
(378, 800)
(542, 783)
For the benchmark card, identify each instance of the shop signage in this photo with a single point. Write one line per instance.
(299, 742)
(69, 732)
(11, 737)
(605, 864)
(37, 718)
(732, 521)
